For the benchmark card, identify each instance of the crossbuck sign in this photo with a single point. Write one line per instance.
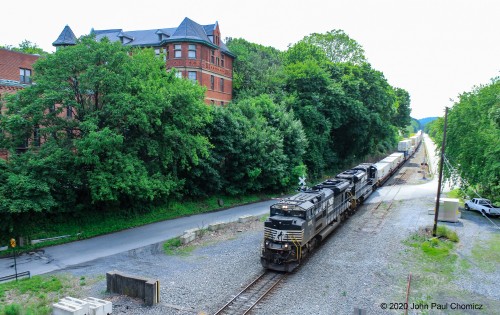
(302, 181)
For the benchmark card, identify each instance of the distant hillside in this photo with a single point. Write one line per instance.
(425, 121)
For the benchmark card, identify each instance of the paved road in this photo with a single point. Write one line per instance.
(61, 256)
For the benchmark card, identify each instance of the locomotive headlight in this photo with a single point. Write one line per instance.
(286, 245)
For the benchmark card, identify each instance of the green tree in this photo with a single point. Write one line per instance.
(116, 129)
(27, 47)
(369, 105)
(256, 70)
(473, 138)
(311, 99)
(401, 118)
(256, 145)
(338, 46)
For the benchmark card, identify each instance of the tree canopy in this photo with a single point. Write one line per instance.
(27, 47)
(338, 46)
(116, 130)
(473, 138)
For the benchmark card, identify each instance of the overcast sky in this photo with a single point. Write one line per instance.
(434, 49)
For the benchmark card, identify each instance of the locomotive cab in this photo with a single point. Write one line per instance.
(292, 224)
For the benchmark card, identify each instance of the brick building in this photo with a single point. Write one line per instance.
(196, 51)
(16, 71)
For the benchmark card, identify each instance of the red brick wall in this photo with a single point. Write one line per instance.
(11, 61)
(205, 69)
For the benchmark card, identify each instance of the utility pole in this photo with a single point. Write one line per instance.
(436, 212)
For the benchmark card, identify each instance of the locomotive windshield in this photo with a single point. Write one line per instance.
(287, 211)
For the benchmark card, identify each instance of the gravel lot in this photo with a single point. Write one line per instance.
(362, 264)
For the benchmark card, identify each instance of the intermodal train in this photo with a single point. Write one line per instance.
(297, 224)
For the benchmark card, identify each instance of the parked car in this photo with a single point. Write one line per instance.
(482, 205)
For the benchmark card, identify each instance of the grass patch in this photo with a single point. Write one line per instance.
(444, 232)
(435, 255)
(434, 264)
(36, 295)
(487, 254)
(173, 247)
(104, 222)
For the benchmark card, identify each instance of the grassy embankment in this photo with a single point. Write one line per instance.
(436, 263)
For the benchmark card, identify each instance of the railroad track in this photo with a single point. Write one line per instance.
(248, 298)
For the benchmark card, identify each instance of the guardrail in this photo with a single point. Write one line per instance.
(15, 276)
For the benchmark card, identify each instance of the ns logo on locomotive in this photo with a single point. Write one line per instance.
(297, 224)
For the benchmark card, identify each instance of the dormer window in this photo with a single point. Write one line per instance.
(161, 36)
(124, 38)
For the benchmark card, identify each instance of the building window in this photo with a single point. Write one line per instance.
(177, 51)
(217, 60)
(69, 111)
(221, 84)
(25, 76)
(212, 56)
(192, 52)
(167, 53)
(192, 75)
(222, 61)
(157, 52)
(36, 136)
(212, 82)
(222, 103)
(178, 75)
(212, 102)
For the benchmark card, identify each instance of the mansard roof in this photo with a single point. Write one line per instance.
(67, 37)
(188, 30)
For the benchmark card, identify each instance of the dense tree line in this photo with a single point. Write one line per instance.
(138, 136)
(347, 109)
(473, 139)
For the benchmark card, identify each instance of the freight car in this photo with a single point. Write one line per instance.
(297, 224)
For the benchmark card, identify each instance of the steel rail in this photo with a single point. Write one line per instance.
(244, 310)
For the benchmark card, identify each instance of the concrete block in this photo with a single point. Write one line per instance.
(216, 226)
(76, 302)
(246, 218)
(65, 308)
(134, 286)
(98, 306)
(111, 281)
(196, 232)
(187, 238)
(152, 292)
